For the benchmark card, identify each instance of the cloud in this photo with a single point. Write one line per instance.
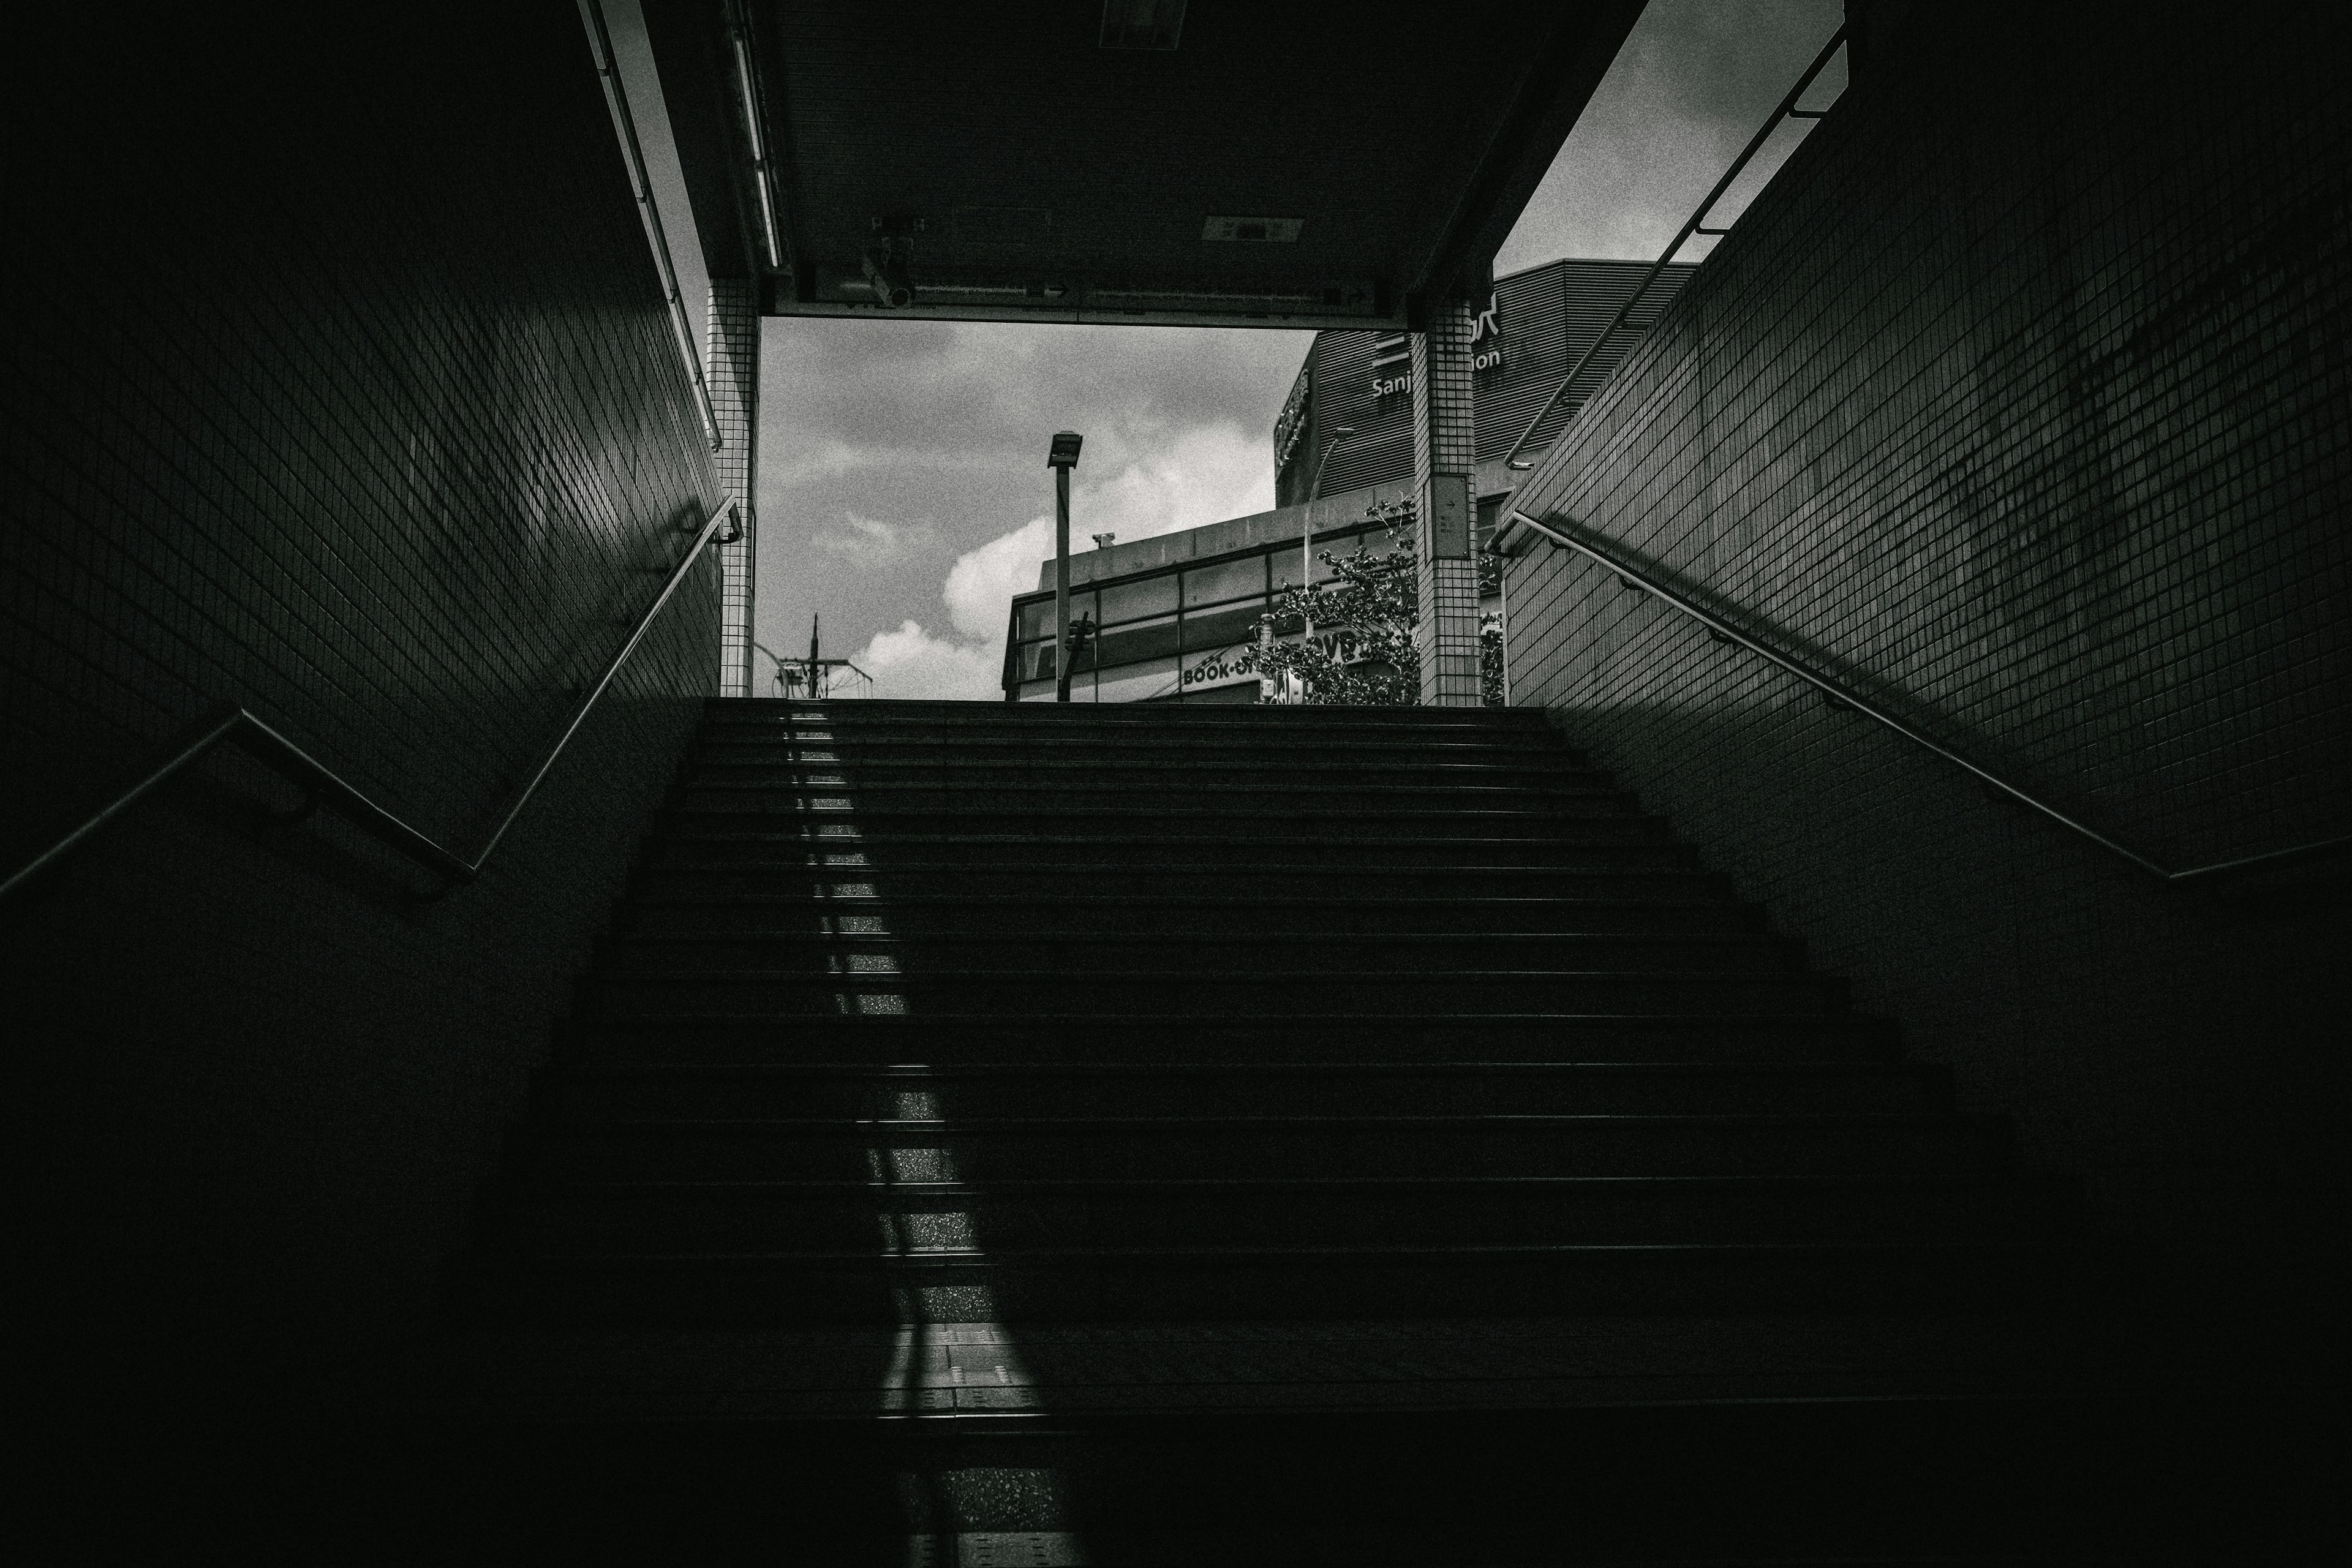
(1201, 476)
(822, 457)
(1189, 477)
(947, 422)
(871, 543)
(911, 663)
(981, 584)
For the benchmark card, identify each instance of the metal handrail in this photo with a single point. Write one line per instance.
(1842, 695)
(321, 785)
(1693, 226)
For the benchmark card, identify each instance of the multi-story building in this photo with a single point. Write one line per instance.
(1171, 614)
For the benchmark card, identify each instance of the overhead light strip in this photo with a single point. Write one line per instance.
(750, 95)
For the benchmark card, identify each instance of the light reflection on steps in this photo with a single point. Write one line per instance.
(950, 1355)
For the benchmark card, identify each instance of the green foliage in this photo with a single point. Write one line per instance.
(1490, 660)
(1362, 654)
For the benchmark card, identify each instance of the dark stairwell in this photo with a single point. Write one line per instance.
(1250, 1135)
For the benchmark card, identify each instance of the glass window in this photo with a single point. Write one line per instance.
(1228, 579)
(1037, 619)
(1133, 601)
(1136, 682)
(1216, 629)
(1150, 639)
(1036, 661)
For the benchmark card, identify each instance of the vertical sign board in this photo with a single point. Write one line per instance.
(1449, 517)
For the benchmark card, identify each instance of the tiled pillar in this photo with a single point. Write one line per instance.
(732, 368)
(1444, 457)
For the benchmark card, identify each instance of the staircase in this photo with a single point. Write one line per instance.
(1119, 1134)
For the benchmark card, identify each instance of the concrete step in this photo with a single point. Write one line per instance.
(1173, 989)
(787, 819)
(1110, 915)
(1339, 760)
(978, 1150)
(857, 949)
(870, 881)
(654, 1216)
(1547, 1365)
(1045, 1036)
(1100, 720)
(583, 1094)
(1269, 1283)
(1368, 739)
(1591, 847)
(1176, 764)
(1145, 797)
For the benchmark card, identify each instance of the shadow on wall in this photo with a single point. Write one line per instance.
(266, 1080)
(2018, 395)
(2171, 1047)
(393, 449)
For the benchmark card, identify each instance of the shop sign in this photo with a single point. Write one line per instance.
(1483, 330)
(1210, 669)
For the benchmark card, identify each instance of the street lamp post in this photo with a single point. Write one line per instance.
(1306, 547)
(1062, 457)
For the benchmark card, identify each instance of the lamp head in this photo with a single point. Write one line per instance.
(886, 270)
(1064, 453)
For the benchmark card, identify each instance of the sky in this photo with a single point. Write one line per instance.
(902, 486)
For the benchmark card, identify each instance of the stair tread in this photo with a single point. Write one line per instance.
(1124, 901)
(1106, 939)
(1749, 1145)
(917, 1072)
(1179, 759)
(1144, 777)
(995, 1188)
(940, 1018)
(976, 1257)
(1256, 977)
(857, 1125)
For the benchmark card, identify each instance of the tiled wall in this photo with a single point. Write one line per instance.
(733, 360)
(1445, 443)
(338, 382)
(2020, 400)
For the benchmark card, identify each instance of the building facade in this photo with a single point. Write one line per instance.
(1533, 328)
(1171, 614)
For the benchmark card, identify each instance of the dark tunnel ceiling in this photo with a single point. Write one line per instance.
(1001, 152)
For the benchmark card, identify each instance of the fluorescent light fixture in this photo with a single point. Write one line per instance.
(1252, 230)
(1143, 24)
(758, 153)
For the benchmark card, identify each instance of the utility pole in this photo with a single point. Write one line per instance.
(813, 675)
(1062, 457)
(1306, 548)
